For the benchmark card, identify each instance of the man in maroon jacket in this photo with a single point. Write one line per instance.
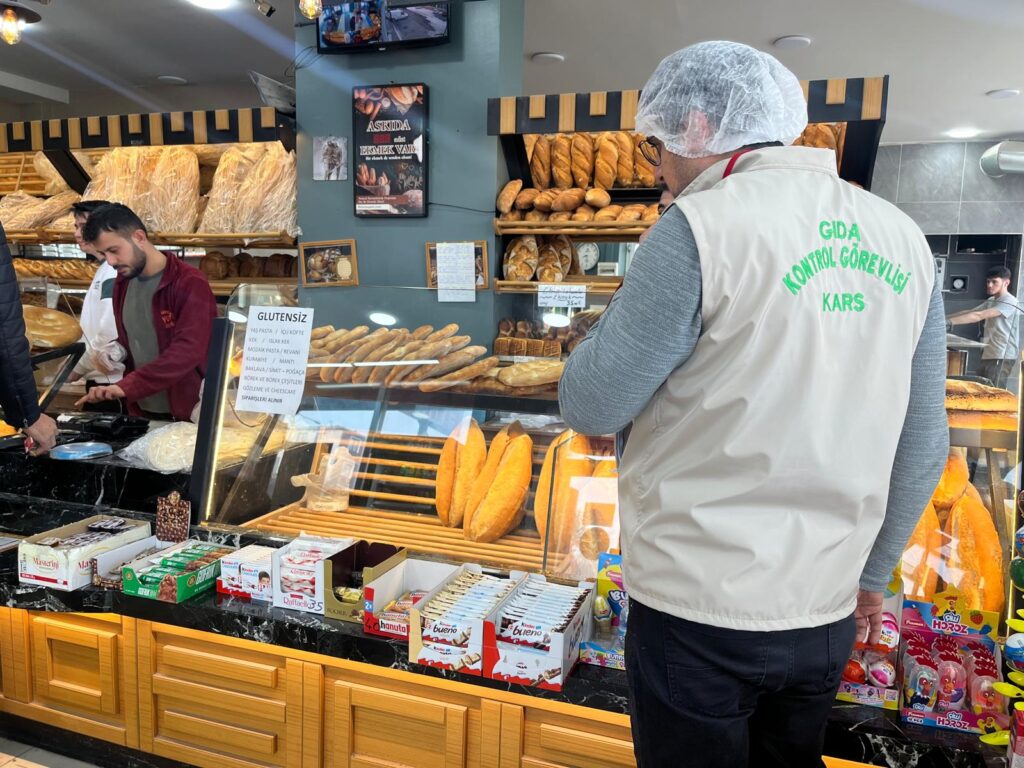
(164, 311)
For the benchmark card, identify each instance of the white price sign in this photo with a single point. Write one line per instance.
(456, 272)
(561, 295)
(274, 359)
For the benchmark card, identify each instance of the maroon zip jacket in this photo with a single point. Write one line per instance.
(183, 313)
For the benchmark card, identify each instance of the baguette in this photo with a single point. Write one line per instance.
(569, 200)
(606, 161)
(462, 458)
(597, 198)
(362, 373)
(501, 487)
(561, 164)
(380, 372)
(336, 341)
(507, 196)
(524, 200)
(485, 480)
(608, 213)
(540, 163)
(642, 169)
(461, 375)
(531, 374)
(359, 354)
(429, 351)
(422, 332)
(322, 332)
(624, 167)
(582, 159)
(448, 331)
(544, 200)
(453, 361)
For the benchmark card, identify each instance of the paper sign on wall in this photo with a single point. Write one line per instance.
(456, 272)
(274, 360)
(561, 295)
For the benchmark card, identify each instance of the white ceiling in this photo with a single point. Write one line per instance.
(123, 45)
(942, 55)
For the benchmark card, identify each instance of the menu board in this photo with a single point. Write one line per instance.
(389, 125)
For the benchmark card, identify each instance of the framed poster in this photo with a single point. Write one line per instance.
(389, 152)
(482, 270)
(329, 263)
(330, 158)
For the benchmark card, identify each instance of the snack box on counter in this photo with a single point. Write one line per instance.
(347, 572)
(389, 597)
(107, 568)
(298, 572)
(450, 626)
(62, 558)
(605, 647)
(870, 674)
(537, 633)
(176, 573)
(247, 573)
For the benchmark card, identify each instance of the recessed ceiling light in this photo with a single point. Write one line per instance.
(212, 5)
(172, 80)
(382, 318)
(548, 57)
(964, 132)
(791, 42)
(1003, 93)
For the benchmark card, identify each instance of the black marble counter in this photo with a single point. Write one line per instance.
(854, 732)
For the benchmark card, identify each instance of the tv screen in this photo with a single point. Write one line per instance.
(374, 25)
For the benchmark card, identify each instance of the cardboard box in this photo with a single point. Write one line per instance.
(604, 645)
(257, 577)
(545, 663)
(349, 571)
(70, 569)
(407, 576)
(869, 677)
(298, 581)
(107, 567)
(230, 580)
(172, 588)
(456, 645)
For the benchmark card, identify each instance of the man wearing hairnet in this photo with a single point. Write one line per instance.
(778, 347)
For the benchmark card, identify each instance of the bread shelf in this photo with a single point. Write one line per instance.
(181, 239)
(597, 286)
(579, 230)
(219, 287)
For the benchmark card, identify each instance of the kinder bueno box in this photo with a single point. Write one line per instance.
(389, 597)
(296, 571)
(230, 580)
(62, 558)
(537, 632)
(450, 627)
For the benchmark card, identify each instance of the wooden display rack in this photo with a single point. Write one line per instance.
(596, 286)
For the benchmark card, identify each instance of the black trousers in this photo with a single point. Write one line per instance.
(705, 696)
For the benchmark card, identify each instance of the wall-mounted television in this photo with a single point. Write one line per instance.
(378, 25)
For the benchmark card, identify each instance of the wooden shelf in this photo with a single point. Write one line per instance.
(180, 239)
(219, 287)
(597, 286)
(579, 230)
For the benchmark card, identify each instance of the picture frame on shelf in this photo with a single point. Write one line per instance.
(483, 270)
(329, 263)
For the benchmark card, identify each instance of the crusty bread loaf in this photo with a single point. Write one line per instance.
(514, 215)
(561, 164)
(521, 258)
(642, 170)
(624, 168)
(500, 491)
(544, 200)
(631, 212)
(582, 159)
(606, 161)
(532, 373)
(507, 196)
(535, 215)
(462, 458)
(970, 396)
(597, 198)
(583, 213)
(1006, 422)
(524, 200)
(650, 213)
(569, 200)
(540, 163)
(560, 216)
(608, 213)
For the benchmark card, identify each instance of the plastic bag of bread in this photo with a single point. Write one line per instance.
(19, 211)
(166, 449)
(54, 181)
(266, 199)
(235, 164)
(170, 199)
(123, 176)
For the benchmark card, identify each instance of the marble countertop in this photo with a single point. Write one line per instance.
(854, 732)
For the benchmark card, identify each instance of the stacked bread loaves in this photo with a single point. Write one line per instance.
(549, 260)
(58, 269)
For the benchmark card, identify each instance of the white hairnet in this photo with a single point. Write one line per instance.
(747, 96)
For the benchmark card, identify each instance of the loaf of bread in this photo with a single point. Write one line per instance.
(631, 212)
(597, 198)
(569, 200)
(994, 420)
(214, 265)
(535, 215)
(546, 198)
(606, 160)
(976, 555)
(565, 464)
(560, 216)
(540, 163)
(582, 159)
(252, 266)
(970, 396)
(650, 213)
(642, 170)
(462, 458)
(608, 213)
(277, 265)
(50, 329)
(514, 215)
(561, 162)
(460, 376)
(583, 213)
(524, 200)
(508, 194)
(531, 374)
(521, 258)
(951, 485)
(497, 498)
(624, 168)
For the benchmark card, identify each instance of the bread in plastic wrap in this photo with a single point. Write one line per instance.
(54, 181)
(170, 201)
(123, 176)
(166, 449)
(266, 200)
(235, 165)
(21, 211)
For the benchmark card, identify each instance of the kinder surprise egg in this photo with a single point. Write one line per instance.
(882, 673)
(855, 672)
(1015, 652)
(890, 636)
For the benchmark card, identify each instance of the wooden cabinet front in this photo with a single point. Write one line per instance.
(553, 740)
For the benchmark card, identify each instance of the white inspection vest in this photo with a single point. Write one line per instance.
(99, 332)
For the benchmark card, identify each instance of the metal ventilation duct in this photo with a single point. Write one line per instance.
(1005, 157)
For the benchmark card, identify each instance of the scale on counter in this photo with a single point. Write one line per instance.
(109, 426)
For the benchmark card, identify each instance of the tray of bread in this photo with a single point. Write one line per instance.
(970, 405)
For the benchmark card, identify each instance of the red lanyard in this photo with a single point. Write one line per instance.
(732, 162)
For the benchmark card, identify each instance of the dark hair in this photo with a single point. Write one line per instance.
(87, 207)
(112, 218)
(1000, 272)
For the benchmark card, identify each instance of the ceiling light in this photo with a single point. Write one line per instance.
(172, 80)
(13, 19)
(382, 318)
(548, 57)
(791, 42)
(212, 5)
(1003, 93)
(963, 132)
(311, 9)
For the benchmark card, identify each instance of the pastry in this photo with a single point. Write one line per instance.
(569, 200)
(561, 164)
(606, 161)
(468, 373)
(462, 458)
(540, 163)
(642, 169)
(507, 196)
(532, 373)
(582, 157)
(546, 199)
(624, 167)
(608, 213)
(498, 494)
(524, 200)
(597, 198)
(583, 213)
